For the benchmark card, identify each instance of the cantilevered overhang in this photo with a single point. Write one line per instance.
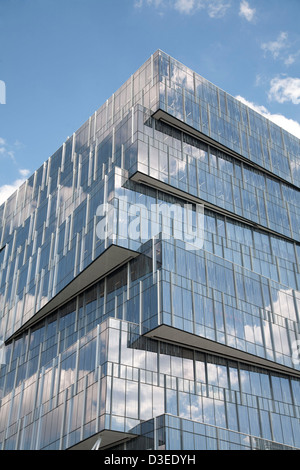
(105, 438)
(189, 340)
(111, 259)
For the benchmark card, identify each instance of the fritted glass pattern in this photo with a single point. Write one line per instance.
(205, 192)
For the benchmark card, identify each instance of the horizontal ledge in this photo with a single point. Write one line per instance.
(112, 258)
(189, 340)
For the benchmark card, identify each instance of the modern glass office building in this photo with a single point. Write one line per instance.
(149, 278)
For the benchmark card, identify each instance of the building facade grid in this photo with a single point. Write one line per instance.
(140, 335)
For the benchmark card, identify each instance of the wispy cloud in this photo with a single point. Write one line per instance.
(285, 89)
(150, 3)
(291, 58)
(214, 8)
(24, 172)
(246, 11)
(7, 153)
(289, 125)
(8, 189)
(276, 47)
(282, 49)
(186, 6)
(6, 150)
(217, 8)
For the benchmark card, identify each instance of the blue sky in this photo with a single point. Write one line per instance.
(61, 59)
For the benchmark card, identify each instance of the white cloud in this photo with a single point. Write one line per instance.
(246, 11)
(256, 107)
(275, 47)
(24, 173)
(5, 150)
(214, 8)
(8, 189)
(285, 89)
(155, 3)
(8, 152)
(288, 124)
(281, 49)
(184, 6)
(217, 8)
(290, 59)
(260, 79)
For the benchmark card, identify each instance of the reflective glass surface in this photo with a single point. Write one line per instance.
(112, 378)
(167, 151)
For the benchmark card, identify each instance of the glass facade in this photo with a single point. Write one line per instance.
(190, 339)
